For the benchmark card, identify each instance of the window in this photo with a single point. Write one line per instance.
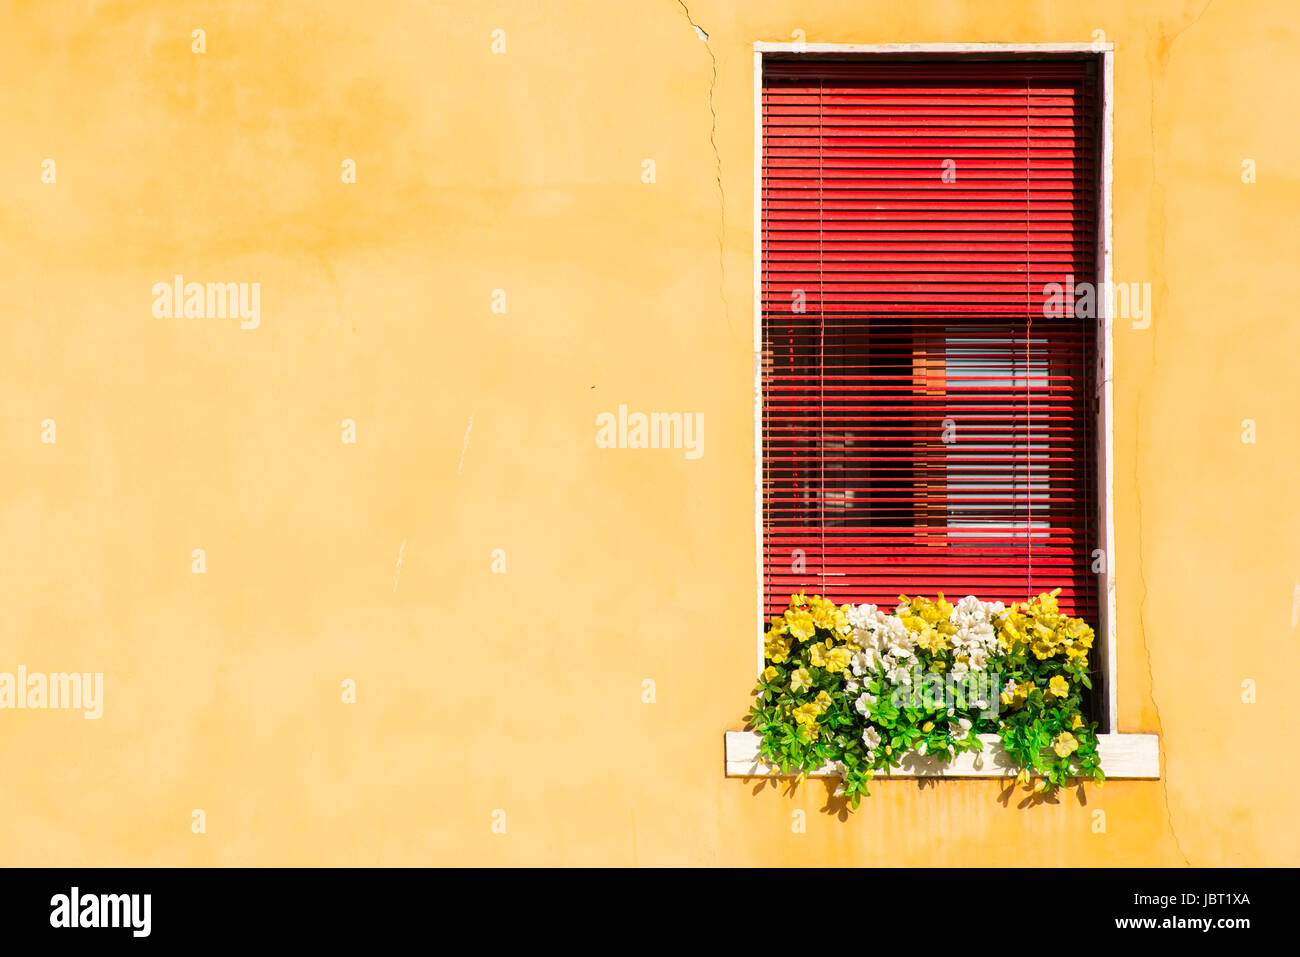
(926, 424)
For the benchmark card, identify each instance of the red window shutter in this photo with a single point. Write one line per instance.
(926, 427)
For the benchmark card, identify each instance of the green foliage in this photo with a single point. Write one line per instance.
(861, 691)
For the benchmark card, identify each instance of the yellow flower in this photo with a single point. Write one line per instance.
(822, 701)
(837, 659)
(931, 639)
(800, 680)
(1015, 694)
(1077, 723)
(1058, 687)
(817, 655)
(928, 727)
(945, 609)
(1040, 786)
(770, 674)
(800, 625)
(806, 714)
(1011, 630)
(825, 614)
(776, 647)
(1065, 744)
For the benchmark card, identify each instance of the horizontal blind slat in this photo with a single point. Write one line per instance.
(894, 300)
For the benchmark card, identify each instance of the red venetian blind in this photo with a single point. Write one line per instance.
(926, 426)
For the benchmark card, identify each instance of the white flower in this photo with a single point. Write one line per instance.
(898, 641)
(852, 687)
(862, 616)
(901, 676)
(973, 619)
(870, 638)
(902, 646)
(921, 748)
(864, 703)
(979, 659)
(971, 607)
(871, 738)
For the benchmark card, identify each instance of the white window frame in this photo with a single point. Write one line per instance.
(1147, 758)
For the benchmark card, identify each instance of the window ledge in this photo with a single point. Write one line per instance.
(1122, 756)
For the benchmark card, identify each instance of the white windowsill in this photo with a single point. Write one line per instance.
(1122, 756)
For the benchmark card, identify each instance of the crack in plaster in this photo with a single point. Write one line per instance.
(717, 156)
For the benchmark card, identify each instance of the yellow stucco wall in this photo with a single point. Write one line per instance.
(522, 691)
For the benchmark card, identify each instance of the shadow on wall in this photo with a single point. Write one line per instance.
(838, 806)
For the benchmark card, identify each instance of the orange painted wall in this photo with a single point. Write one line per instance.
(522, 691)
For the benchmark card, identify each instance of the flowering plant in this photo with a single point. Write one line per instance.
(860, 689)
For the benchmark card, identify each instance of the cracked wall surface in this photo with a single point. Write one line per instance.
(522, 173)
